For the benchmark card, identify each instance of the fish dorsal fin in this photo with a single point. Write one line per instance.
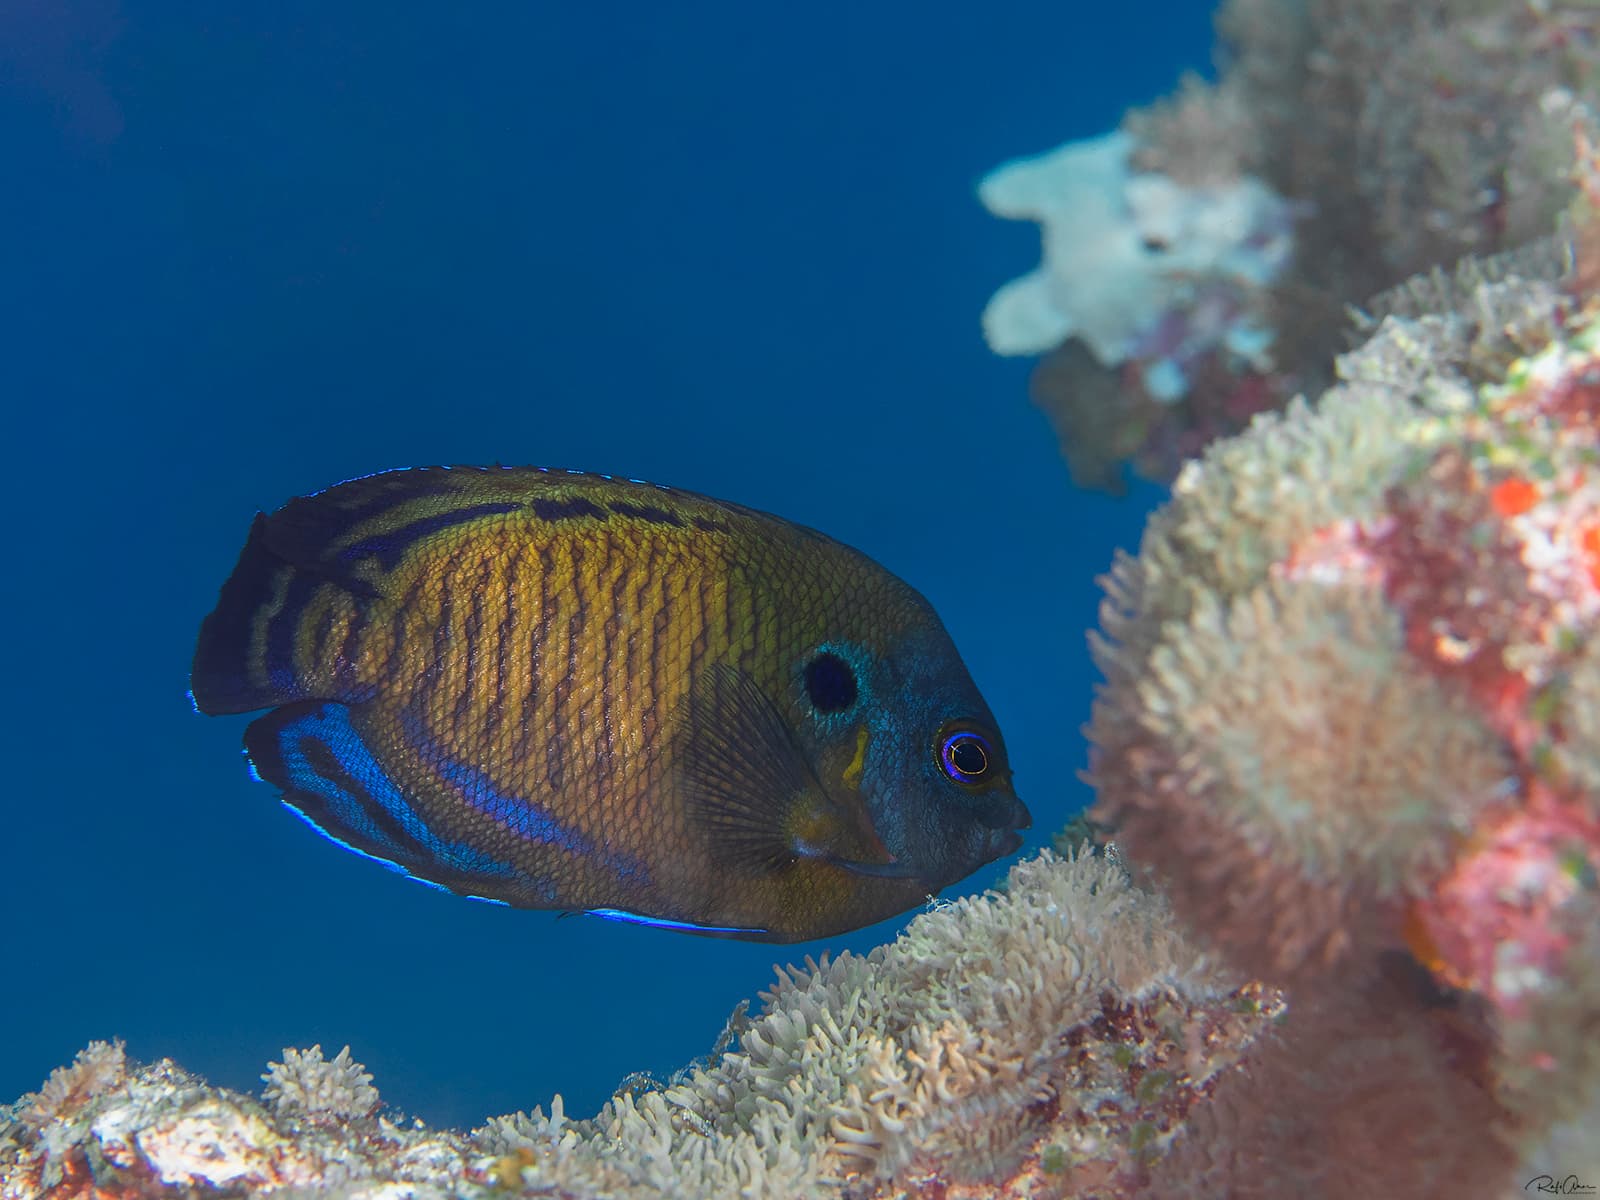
(750, 788)
(354, 534)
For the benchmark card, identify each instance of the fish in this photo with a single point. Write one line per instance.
(565, 690)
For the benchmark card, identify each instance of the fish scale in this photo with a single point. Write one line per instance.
(560, 690)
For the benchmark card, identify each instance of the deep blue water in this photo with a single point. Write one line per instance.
(248, 250)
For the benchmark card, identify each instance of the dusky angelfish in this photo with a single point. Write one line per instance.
(567, 691)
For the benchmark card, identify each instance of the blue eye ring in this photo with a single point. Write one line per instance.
(966, 756)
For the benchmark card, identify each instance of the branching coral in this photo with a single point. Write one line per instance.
(1003, 1036)
(1399, 139)
(105, 1128)
(98, 1068)
(305, 1082)
(1049, 1039)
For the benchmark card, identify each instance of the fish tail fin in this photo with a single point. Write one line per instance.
(244, 658)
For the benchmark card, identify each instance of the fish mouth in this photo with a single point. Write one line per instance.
(1001, 843)
(1005, 836)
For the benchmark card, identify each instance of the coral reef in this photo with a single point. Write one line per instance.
(1049, 1039)
(105, 1128)
(1348, 717)
(305, 1082)
(1399, 139)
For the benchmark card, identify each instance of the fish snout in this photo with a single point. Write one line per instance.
(1003, 812)
(1005, 822)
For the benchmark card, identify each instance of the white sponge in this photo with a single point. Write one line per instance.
(1121, 248)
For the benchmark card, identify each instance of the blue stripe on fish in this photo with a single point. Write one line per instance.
(521, 816)
(632, 918)
(330, 777)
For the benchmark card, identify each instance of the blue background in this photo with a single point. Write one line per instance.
(247, 250)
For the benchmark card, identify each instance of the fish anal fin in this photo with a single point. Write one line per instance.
(318, 754)
(313, 752)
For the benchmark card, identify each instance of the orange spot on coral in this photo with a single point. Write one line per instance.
(1589, 544)
(1512, 497)
(1414, 931)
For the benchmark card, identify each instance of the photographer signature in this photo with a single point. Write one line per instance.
(1558, 1187)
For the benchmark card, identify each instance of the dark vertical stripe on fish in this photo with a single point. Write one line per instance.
(555, 753)
(502, 648)
(321, 635)
(539, 651)
(702, 631)
(472, 633)
(611, 694)
(660, 620)
(741, 616)
(344, 672)
(398, 650)
(435, 676)
(281, 631)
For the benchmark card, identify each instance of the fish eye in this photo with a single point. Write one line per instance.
(830, 683)
(966, 756)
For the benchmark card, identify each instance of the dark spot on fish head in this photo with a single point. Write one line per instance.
(911, 737)
(830, 682)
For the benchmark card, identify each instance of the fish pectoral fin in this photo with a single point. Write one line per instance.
(751, 791)
(875, 870)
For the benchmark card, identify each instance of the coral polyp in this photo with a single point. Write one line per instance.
(1349, 713)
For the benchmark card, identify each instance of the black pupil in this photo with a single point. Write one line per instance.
(967, 756)
(830, 683)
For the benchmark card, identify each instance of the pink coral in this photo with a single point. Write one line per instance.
(1349, 716)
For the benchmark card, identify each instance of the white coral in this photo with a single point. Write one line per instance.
(305, 1082)
(1122, 248)
(98, 1067)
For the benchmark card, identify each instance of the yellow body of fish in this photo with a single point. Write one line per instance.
(568, 691)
